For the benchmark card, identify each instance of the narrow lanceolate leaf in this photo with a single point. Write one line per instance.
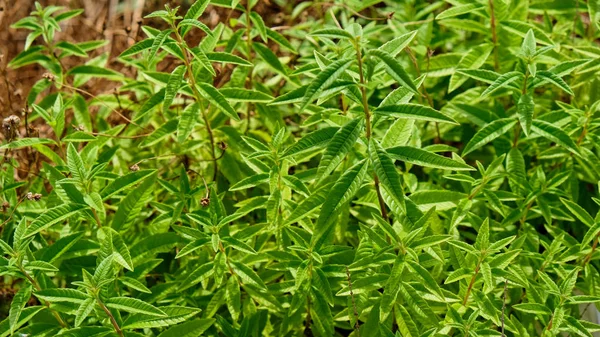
(427, 280)
(341, 143)
(75, 164)
(425, 158)
(579, 212)
(415, 112)
(85, 309)
(195, 23)
(533, 308)
(525, 108)
(488, 133)
(245, 95)
(259, 24)
(61, 295)
(458, 10)
(314, 140)
(187, 122)
(247, 275)
(153, 101)
(194, 12)
(215, 97)
(227, 58)
(130, 207)
(341, 192)
(548, 76)
(269, 57)
(502, 82)
(17, 305)
(157, 43)
(124, 182)
(391, 289)
(554, 134)
(134, 306)
(386, 172)
(333, 33)
(53, 216)
(191, 328)
(473, 59)
(173, 85)
(324, 79)
(395, 69)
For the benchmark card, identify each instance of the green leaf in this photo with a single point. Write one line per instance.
(75, 164)
(131, 206)
(123, 182)
(579, 212)
(415, 112)
(341, 143)
(554, 134)
(312, 141)
(333, 33)
(548, 76)
(153, 101)
(191, 328)
(259, 24)
(175, 315)
(395, 69)
(70, 48)
(525, 108)
(61, 295)
(216, 98)
(245, 95)
(194, 12)
(189, 23)
(25, 142)
(528, 46)
(533, 308)
(247, 275)
(227, 58)
(173, 85)
(458, 10)
(17, 305)
(187, 122)
(341, 192)
(51, 217)
(84, 310)
(425, 158)
(268, 56)
(324, 79)
(134, 306)
(95, 71)
(502, 82)
(427, 280)
(488, 133)
(386, 172)
(157, 43)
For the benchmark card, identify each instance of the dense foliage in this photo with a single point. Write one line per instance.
(372, 168)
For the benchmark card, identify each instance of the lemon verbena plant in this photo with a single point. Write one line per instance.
(341, 168)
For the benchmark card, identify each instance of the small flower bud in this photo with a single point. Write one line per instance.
(134, 167)
(205, 202)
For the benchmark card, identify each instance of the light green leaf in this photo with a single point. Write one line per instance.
(425, 158)
(488, 133)
(415, 112)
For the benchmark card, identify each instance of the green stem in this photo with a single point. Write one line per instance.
(198, 97)
(363, 91)
(471, 283)
(113, 321)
